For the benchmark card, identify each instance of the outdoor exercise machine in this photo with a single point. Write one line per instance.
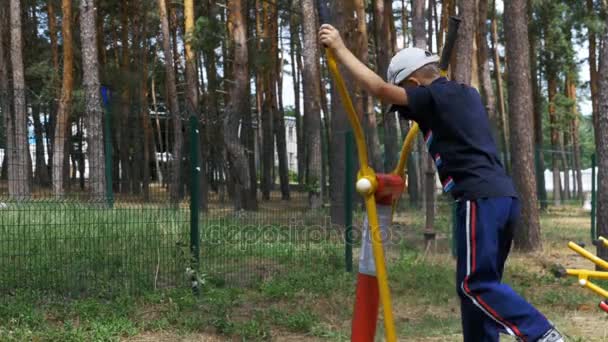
(381, 193)
(584, 276)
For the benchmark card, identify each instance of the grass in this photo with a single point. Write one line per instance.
(296, 290)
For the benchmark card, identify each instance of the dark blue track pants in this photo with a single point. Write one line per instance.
(484, 232)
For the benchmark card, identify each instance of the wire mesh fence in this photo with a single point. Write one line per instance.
(125, 223)
(136, 203)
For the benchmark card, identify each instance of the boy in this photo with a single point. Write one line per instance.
(457, 134)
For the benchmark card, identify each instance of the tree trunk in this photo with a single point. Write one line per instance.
(192, 98)
(124, 133)
(295, 53)
(602, 144)
(20, 171)
(593, 70)
(563, 142)
(552, 91)
(464, 44)
(279, 113)
(576, 149)
(504, 125)
(343, 12)
(404, 18)
(527, 234)
(178, 138)
(268, 102)
(94, 110)
(383, 16)
(62, 135)
(239, 103)
(418, 24)
(311, 82)
(5, 95)
(41, 175)
(538, 119)
(483, 61)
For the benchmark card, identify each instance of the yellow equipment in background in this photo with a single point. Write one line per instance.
(584, 276)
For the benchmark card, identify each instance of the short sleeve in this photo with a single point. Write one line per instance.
(419, 104)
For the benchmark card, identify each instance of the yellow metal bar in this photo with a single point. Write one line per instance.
(381, 274)
(370, 202)
(407, 147)
(588, 255)
(587, 274)
(352, 114)
(604, 241)
(593, 287)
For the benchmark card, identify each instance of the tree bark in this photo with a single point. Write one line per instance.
(279, 113)
(527, 234)
(343, 12)
(464, 44)
(94, 111)
(295, 53)
(383, 17)
(178, 138)
(483, 61)
(593, 70)
(504, 125)
(20, 172)
(311, 81)
(5, 87)
(552, 92)
(602, 144)
(576, 148)
(538, 117)
(238, 93)
(62, 135)
(41, 174)
(192, 97)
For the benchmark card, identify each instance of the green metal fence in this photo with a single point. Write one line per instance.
(137, 236)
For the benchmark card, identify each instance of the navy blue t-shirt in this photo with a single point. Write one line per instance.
(457, 134)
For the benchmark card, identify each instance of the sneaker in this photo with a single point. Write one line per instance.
(552, 336)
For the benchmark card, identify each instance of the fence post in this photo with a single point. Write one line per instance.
(105, 92)
(593, 198)
(348, 201)
(194, 200)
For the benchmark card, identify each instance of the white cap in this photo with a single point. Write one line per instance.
(406, 62)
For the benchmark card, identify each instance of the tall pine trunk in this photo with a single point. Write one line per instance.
(483, 61)
(504, 126)
(574, 131)
(238, 92)
(178, 138)
(279, 114)
(527, 234)
(94, 111)
(602, 144)
(311, 82)
(295, 50)
(383, 16)
(62, 135)
(555, 145)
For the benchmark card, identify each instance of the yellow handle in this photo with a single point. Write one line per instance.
(352, 115)
(370, 202)
(588, 255)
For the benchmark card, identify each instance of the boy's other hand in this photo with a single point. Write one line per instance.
(330, 37)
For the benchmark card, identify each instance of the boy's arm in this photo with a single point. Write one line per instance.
(366, 78)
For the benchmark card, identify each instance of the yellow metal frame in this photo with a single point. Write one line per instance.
(366, 172)
(584, 276)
